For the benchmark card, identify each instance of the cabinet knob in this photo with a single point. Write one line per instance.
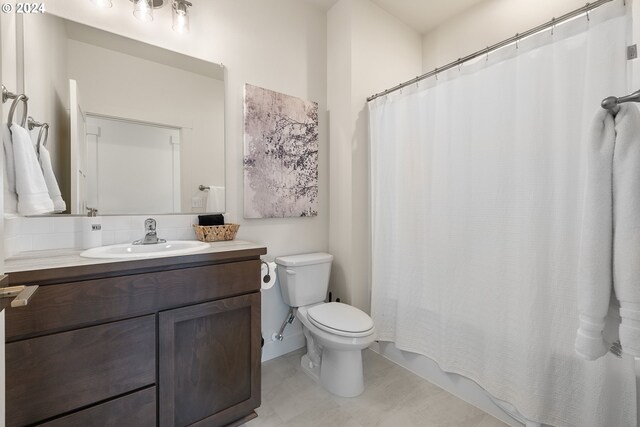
(21, 293)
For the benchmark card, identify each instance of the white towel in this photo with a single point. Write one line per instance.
(10, 196)
(610, 237)
(595, 277)
(33, 196)
(215, 199)
(626, 220)
(50, 179)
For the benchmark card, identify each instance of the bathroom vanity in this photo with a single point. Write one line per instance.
(168, 341)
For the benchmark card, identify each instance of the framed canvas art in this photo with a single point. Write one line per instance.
(280, 155)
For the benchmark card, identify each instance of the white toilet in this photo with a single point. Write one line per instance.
(336, 333)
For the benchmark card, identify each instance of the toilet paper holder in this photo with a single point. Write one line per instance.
(267, 277)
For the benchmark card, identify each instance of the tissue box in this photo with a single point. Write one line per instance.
(216, 233)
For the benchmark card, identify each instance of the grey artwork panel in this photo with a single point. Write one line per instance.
(280, 155)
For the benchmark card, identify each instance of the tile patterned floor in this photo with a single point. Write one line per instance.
(393, 397)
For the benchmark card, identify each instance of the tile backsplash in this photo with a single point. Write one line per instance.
(42, 233)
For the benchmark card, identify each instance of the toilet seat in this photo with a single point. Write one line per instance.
(341, 319)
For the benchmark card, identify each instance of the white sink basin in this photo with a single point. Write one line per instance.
(129, 250)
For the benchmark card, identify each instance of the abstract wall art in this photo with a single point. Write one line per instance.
(280, 155)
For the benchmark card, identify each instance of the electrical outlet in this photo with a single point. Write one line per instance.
(196, 202)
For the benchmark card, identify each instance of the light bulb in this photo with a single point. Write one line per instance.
(143, 10)
(181, 16)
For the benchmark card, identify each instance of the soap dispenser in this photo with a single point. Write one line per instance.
(91, 229)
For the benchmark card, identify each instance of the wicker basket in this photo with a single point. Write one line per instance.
(216, 233)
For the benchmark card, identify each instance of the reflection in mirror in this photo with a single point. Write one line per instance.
(133, 128)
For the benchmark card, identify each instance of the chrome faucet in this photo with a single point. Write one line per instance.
(151, 238)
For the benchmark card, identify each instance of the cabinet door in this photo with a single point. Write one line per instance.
(210, 362)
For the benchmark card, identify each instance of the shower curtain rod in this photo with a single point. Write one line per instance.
(554, 21)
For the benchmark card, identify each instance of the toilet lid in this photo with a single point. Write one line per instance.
(340, 319)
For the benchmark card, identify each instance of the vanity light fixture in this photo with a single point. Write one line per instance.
(103, 4)
(181, 16)
(143, 9)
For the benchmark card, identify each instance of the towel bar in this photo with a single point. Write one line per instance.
(611, 103)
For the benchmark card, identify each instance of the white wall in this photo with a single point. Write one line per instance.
(487, 23)
(46, 84)
(368, 50)
(3, 26)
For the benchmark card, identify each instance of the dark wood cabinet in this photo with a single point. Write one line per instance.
(129, 345)
(208, 358)
(54, 374)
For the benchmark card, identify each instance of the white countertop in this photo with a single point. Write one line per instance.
(61, 258)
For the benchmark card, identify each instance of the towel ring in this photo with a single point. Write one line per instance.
(44, 129)
(32, 123)
(24, 98)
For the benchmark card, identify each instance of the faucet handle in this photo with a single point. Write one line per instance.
(150, 224)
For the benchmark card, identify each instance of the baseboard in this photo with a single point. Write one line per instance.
(273, 349)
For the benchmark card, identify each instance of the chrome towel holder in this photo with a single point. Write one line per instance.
(31, 123)
(6, 95)
(612, 103)
(44, 131)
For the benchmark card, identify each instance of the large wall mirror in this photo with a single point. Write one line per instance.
(134, 128)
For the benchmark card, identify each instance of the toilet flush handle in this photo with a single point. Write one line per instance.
(291, 272)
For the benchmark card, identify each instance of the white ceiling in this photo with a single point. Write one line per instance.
(421, 15)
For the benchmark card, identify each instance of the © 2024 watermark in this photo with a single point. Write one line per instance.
(22, 8)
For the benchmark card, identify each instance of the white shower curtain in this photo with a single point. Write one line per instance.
(476, 183)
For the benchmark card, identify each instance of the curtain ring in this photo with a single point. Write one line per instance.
(436, 71)
(459, 64)
(517, 40)
(553, 24)
(588, 18)
(487, 58)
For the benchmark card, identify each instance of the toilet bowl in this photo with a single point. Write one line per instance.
(339, 368)
(335, 333)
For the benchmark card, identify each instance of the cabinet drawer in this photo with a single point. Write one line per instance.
(55, 374)
(136, 409)
(66, 306)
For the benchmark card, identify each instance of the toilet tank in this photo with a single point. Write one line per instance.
(304, 279)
